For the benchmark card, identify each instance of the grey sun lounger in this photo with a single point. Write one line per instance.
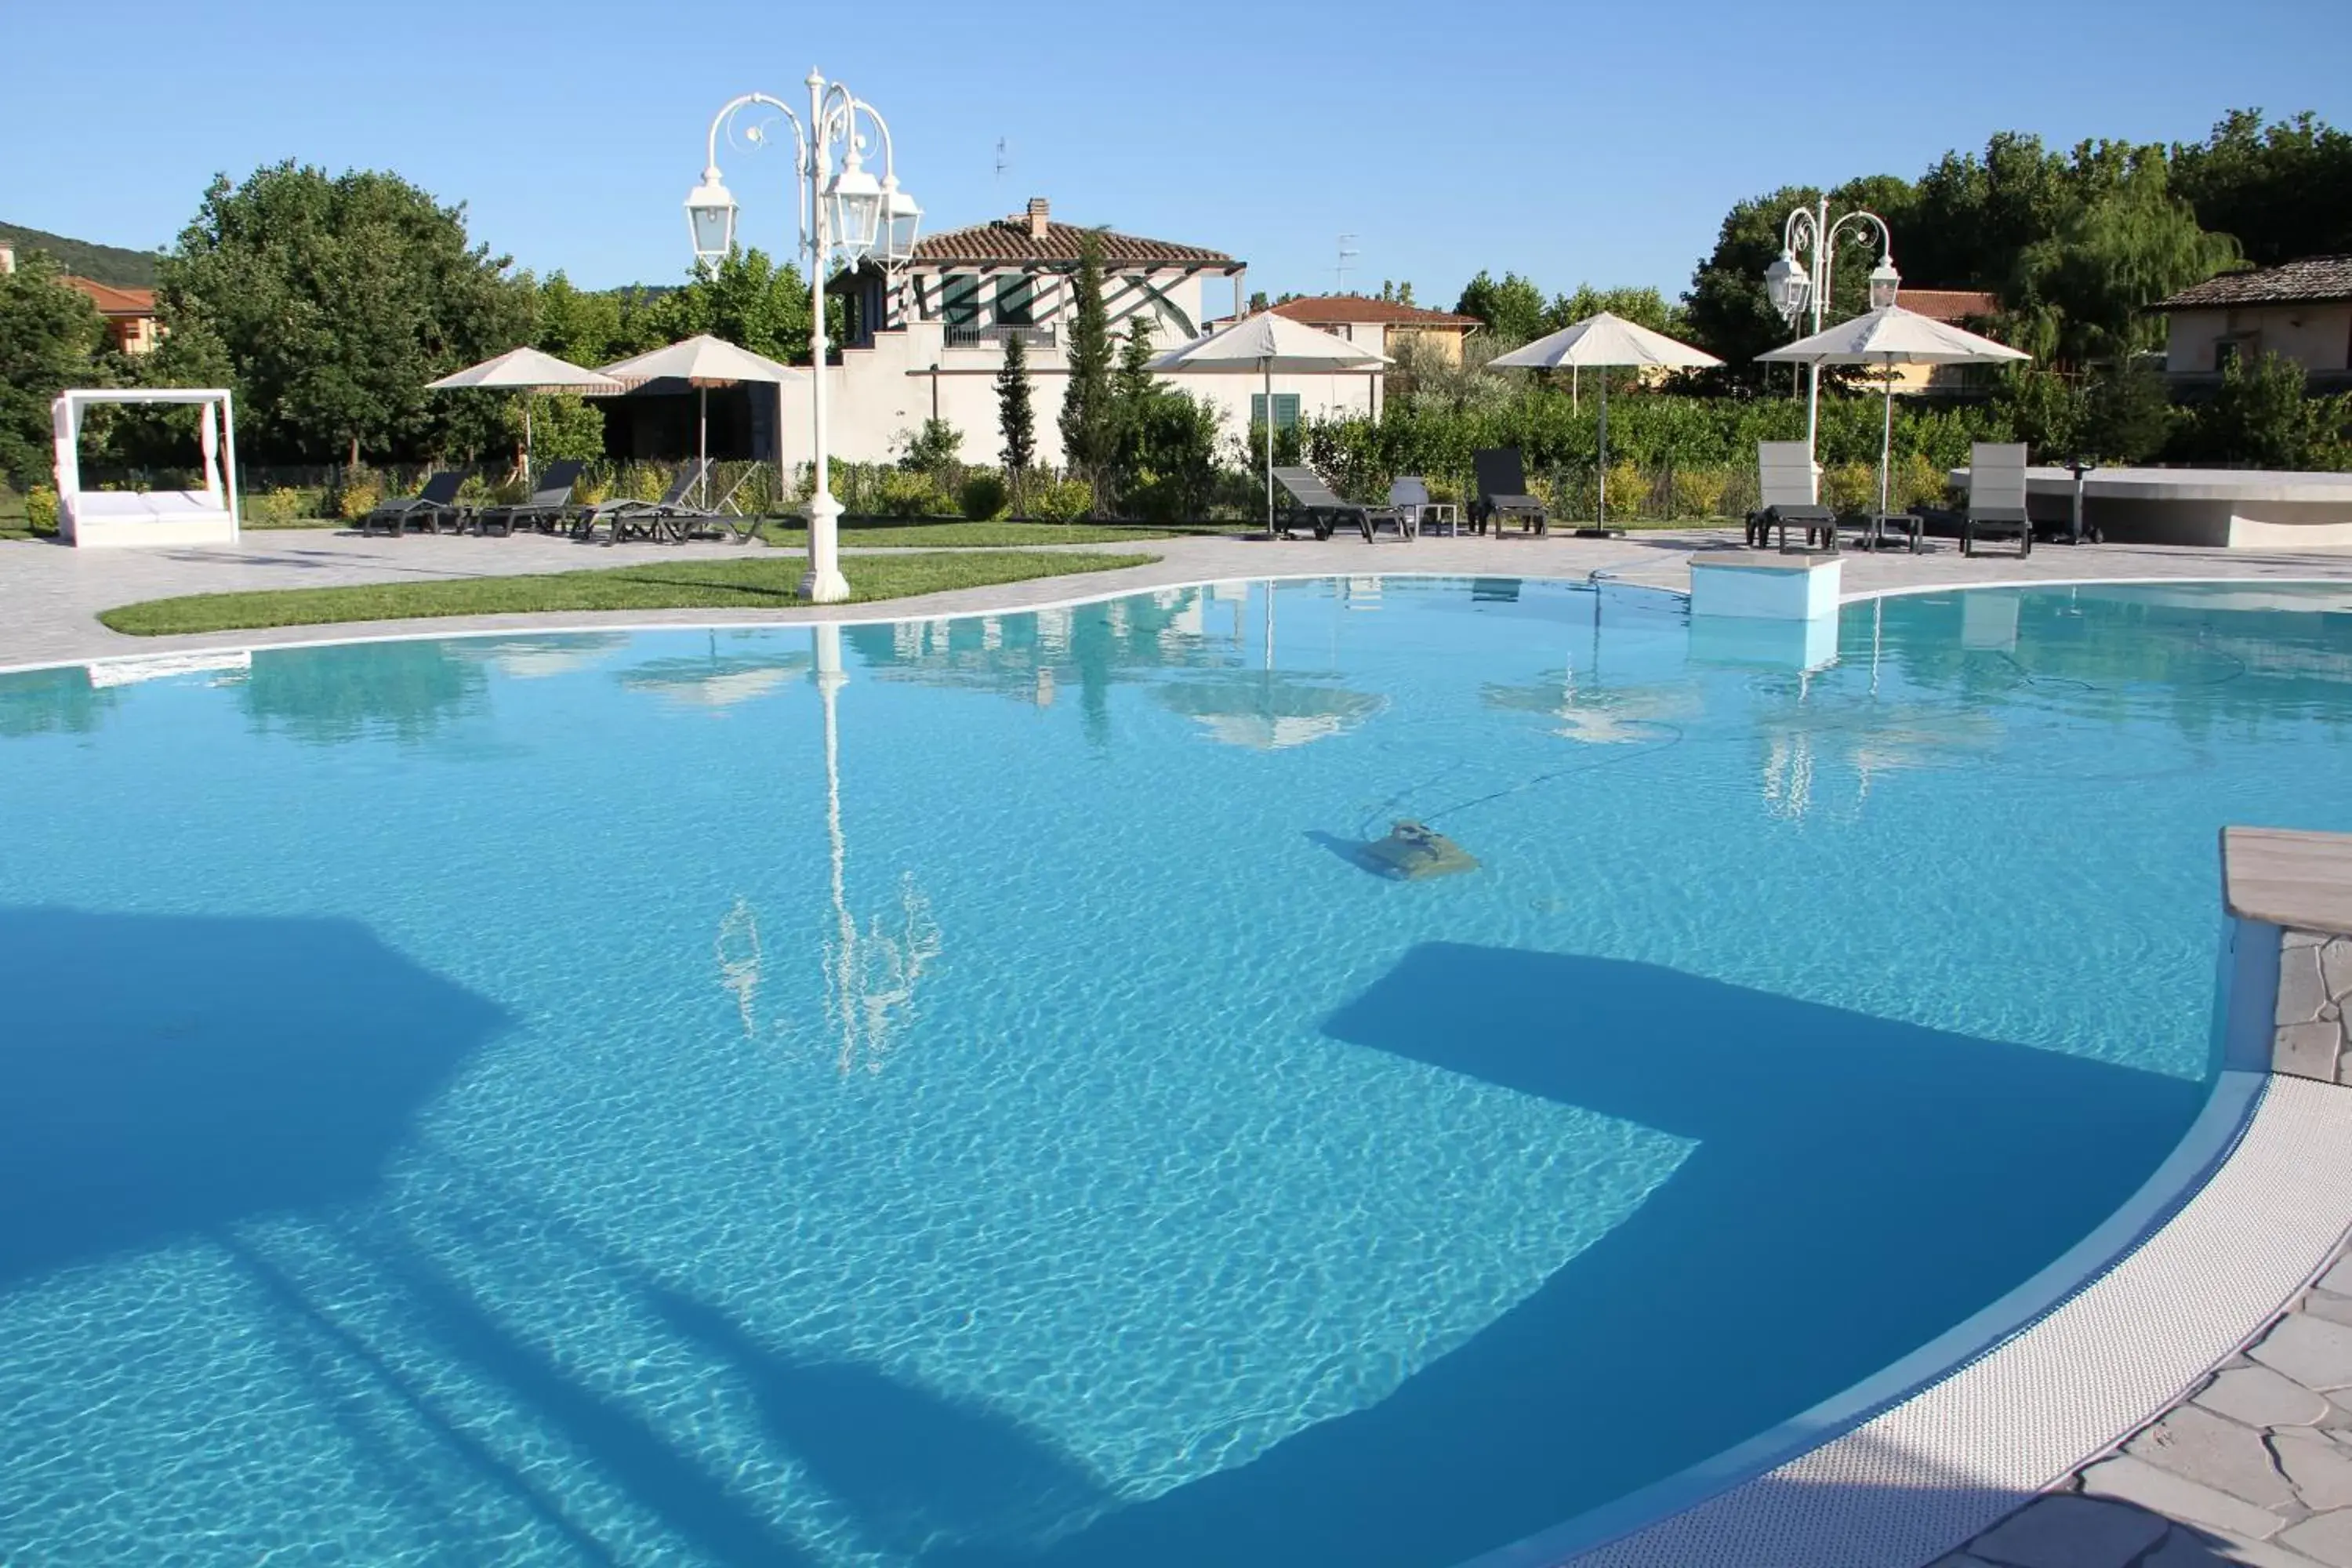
(618, 518)
(1409, 499)
(1786, 496)
(1503, 493)
(432, 505)
(1313, 503)
(549, 508)
(1995, 497)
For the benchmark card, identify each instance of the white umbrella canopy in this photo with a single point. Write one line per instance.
(1266, 343)
(1605, 339)
(527, 370)
(1887, 337)
(704, 361)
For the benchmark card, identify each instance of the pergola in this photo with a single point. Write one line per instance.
(93, 518)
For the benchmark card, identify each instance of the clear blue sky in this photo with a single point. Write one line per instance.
(1574, 141)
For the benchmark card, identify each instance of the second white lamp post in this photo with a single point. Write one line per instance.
(845, 213)
(1792, 291)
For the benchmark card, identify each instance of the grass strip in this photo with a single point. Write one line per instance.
(755, 583)
(789, 534)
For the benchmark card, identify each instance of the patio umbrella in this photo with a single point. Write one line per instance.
(1266, 343)
(1602, 341)
(703, 363)
(529, 371)
(1888, 337)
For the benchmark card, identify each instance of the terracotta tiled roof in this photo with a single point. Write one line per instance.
(1335, 309)
(1032, 236)
(112, 300)
(1951, 305)
(2310, 279)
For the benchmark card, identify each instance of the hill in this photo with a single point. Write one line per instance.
(101, 263)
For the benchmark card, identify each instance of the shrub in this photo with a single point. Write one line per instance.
(355, 493)
(1061, 500)
(1916, 482)
(41, 510)
(904, 493)
(1850, 486)
(1699, 492)
(273, 508)
(1629, 489)
(982, 497)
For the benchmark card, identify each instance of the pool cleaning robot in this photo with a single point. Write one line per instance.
(1413, 852)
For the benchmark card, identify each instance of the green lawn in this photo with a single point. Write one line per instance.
(754, 582)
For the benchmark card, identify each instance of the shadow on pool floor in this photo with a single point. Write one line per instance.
(1859, 1185)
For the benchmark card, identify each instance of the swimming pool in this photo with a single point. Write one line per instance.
(950, 1093)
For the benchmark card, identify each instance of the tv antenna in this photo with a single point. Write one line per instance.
(1347, 254)
(1003, 159)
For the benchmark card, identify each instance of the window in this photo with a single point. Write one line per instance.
(1285, 409)
(1016, 302)
(959, 299)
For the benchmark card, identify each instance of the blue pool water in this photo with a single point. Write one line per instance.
(508, 1100)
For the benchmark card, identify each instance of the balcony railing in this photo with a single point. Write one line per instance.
(975, 335)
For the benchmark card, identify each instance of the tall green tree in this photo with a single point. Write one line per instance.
(1089, 415)
(1512, 308)
(1016, 421)
(2082, 292)
(335, 300)
(749, 301)
(2282, 190)
(49, 340)
(2262, 416)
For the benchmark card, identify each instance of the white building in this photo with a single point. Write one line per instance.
(2301, 310)
(928, 344)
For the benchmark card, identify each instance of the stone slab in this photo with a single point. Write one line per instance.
(2131, 1481)
(2307, 1050)
(2320, 1469)
(2260, 1397)
(2194, 1442)
(2324, 1537)
(2301, 992)
(2301, 880)
(2314, 1352)
(2069, 1531)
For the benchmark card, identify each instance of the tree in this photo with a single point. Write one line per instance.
(2282, 190)
(1135, 393)
(49, 340)
(748, 300)
(2083, 289)
(1513, 308)
(580, 325)
(336, 300)
(1089, 419)
(2127, 413)
(2261, 417)
(1016, 420)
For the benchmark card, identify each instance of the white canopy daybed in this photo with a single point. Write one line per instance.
(105, 518)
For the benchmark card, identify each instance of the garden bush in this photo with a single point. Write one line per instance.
(1061, 500)
(41, 510)
(982, 497)
(274, 508)
(1850, 486)
(355, 493)
(1699, 492)
(902, 492)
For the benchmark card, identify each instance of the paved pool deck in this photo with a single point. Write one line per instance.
(2191, 1405)
(50, 593)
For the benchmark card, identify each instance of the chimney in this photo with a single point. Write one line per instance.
(1039, 209)
(7, 259)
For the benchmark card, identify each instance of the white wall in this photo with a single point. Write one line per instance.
(2317, 337)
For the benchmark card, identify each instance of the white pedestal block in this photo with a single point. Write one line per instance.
(1767, 588)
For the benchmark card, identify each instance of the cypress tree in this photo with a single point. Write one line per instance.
(1017, 420)
(1089, 419)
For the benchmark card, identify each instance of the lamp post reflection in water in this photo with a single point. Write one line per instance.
(870, 974)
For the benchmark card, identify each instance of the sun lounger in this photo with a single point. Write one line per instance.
(1503, 493)
(618, 518)
(1995, 497)
(1786, 497)
(429, 508)
(1313, 503)
(549, 508)
(1409, 499)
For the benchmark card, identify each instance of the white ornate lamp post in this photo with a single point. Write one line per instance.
(1793, 290)
(845, 214)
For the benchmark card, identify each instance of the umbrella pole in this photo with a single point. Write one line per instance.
(702, 449)
(1266, 366)
(525, 441)
(1885, 440)
(1600, 518)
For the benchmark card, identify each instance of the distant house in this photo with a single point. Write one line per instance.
(1973, 309)
(2301, 310)
(130, 312)
(927, 342)
(1383, 324)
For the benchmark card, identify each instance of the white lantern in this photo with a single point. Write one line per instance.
(901, 218)
(1883, 282)
(710, 219)
(856, 198)
(1788, 286)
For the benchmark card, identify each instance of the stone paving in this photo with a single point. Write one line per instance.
(2254, 1466)
(2314, 1040)
(50, 593)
